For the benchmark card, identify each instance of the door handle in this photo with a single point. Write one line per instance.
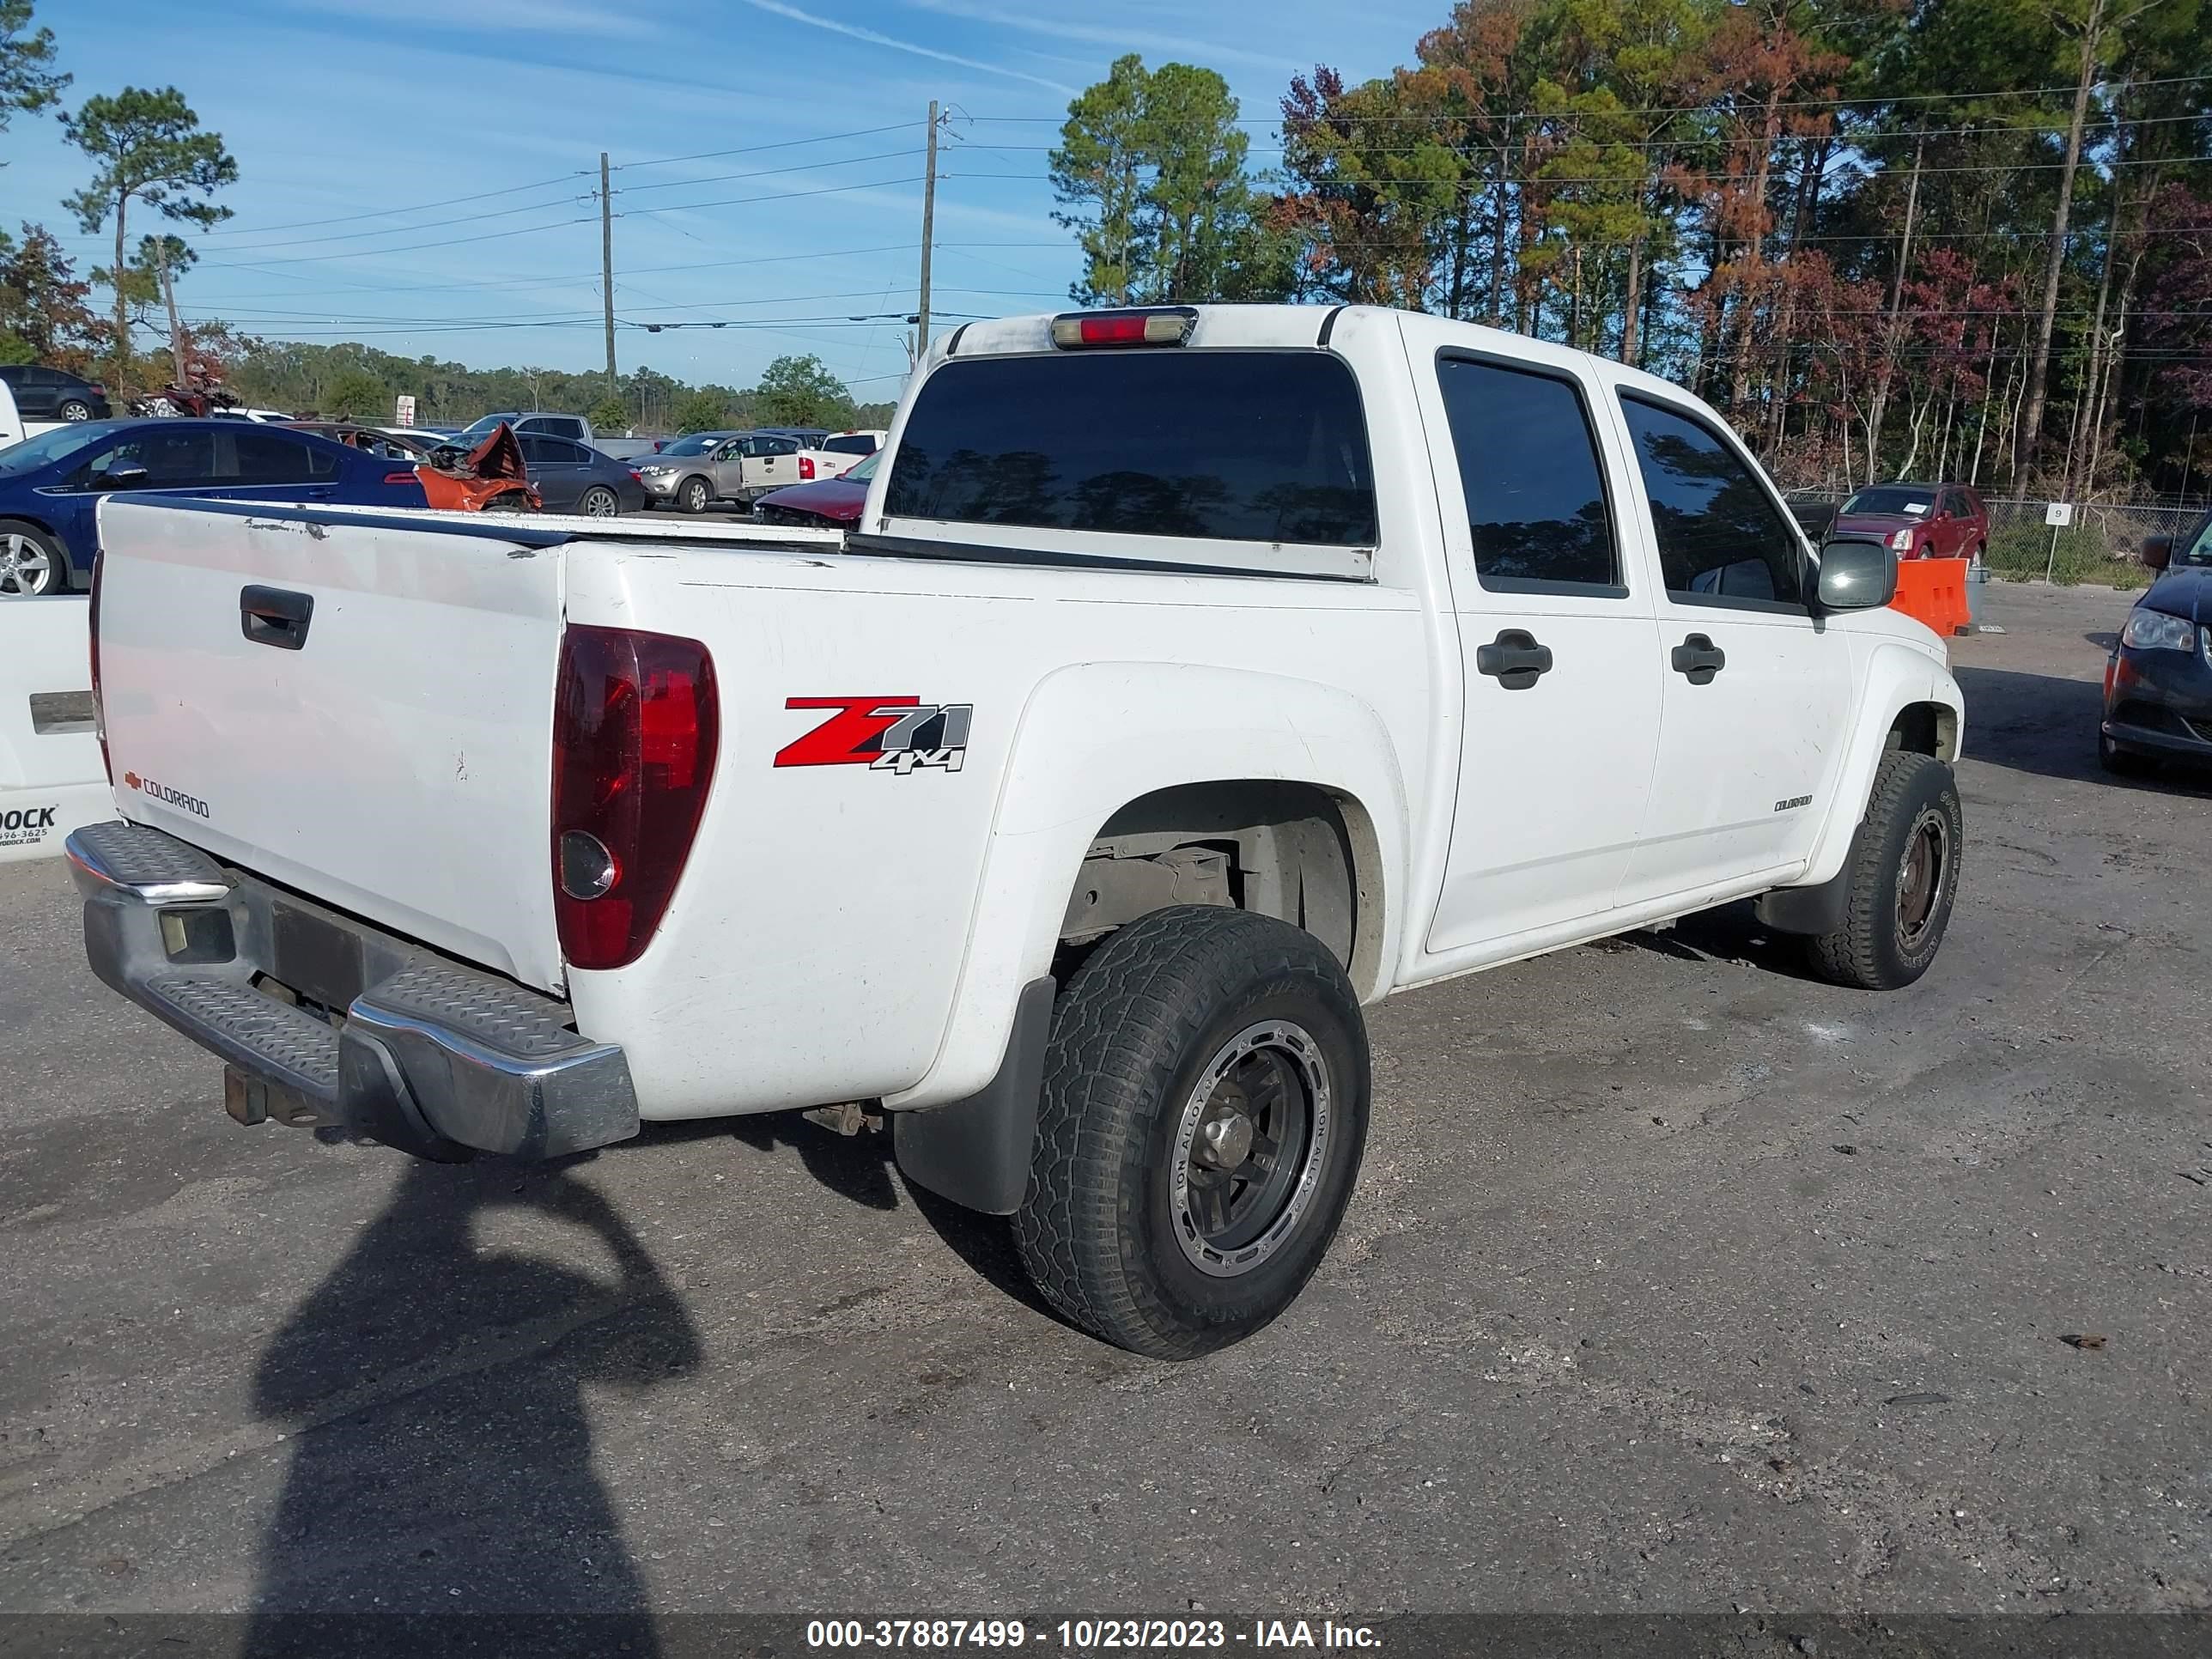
(275, 616)
(1514, 659)
(1697, 659)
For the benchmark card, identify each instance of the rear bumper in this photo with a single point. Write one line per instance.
(323, 1019)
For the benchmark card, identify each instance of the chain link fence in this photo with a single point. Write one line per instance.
(2103, 544)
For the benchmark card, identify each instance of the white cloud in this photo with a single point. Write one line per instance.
(853, 31)
(1166, 44)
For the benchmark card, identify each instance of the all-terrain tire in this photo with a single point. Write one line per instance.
(1898, 906)
(1106, 1227)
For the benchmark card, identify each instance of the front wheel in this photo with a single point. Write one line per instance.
(1902, 876)
(694, 495)
(32, 563)
(598, 503)
(75, 410)
(1201, 1126)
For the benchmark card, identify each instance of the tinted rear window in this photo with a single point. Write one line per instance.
(849, 445)
(1230, 446)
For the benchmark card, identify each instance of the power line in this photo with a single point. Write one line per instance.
(397, 230)
(755, 150)
(2066, 90)
(387, 213)
(363, 254)
(1571, 120)
(784, 195)
(767, 173)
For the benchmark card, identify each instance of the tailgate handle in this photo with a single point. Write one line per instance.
(275, 616)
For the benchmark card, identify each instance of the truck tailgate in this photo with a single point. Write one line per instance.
(361, 710)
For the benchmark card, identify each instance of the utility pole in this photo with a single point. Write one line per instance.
(928, 235)
(607, 269)
(176, 328)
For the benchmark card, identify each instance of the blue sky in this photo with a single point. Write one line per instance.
(342, 112)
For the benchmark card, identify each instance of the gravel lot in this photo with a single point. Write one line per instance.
(1676, 1281)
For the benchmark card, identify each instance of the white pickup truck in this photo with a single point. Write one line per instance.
(1195, 677)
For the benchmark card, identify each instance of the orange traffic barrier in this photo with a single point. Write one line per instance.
(1934, 591)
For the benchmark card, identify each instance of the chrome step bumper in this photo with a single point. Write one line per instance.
(324, 1019)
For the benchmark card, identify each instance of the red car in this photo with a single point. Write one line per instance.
(1920, 520)
(827, 504)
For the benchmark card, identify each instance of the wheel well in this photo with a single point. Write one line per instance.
(1925, 728)
(1293, 851)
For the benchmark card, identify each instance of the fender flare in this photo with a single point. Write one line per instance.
(1896, 676)
(1093, 738)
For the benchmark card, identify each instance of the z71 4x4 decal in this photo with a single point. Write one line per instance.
(884, 734)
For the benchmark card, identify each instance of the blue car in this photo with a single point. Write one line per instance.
(50, 484)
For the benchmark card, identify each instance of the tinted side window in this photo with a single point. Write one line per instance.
(265, 457)
(533, 448)
(1535, 495)
(1235, 445)
(175, 458)
(1720, 537)
(562, 451)
(15, 375)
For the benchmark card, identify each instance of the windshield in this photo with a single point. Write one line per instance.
(697, 444)
(2194, 545)
(483, 428)
(1891, 499)
(58, 444)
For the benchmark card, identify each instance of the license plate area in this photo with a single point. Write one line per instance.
(318, 959)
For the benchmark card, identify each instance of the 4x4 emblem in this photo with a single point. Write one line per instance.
(884, 734)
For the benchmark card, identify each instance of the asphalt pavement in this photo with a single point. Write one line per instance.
(1676, 1281)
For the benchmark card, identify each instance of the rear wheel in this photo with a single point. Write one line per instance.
(31, 562)
(1201, 1123)
(693, 495)
(75, 409)
(1903, 874)
(598, 503)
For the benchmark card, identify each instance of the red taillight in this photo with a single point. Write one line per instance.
(636, 476)
(92, 634)
(806, 467)
(407, 477)
(634, 737)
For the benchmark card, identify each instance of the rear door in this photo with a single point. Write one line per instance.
(558, 468)
(1755, 693)
(389, 753)
(1556, 632)
(37, 395)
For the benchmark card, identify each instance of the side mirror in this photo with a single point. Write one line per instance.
(1857, 573)
(123, 478)
(2157, 552)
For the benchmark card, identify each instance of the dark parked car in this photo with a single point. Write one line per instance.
(573, 477)
(2158, 681)
(828, 504)
(54, 394)
(1920, 520)
(50, 484)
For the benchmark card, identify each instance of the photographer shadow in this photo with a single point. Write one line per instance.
(441, 1479)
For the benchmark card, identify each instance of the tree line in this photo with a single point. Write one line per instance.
(1887, 238)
